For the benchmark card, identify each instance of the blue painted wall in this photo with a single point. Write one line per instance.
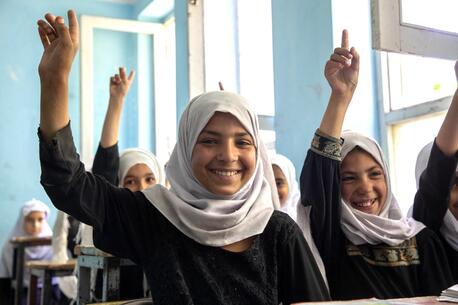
(305, 33)
(21, 50)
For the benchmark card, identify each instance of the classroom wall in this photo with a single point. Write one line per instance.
(305, 32)
(301, 46)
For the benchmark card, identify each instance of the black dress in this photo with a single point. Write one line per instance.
(278, 267)
(106, 164)
(416, 267)
(431, 199)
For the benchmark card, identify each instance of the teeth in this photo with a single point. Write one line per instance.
(364, 204)
(225, 173)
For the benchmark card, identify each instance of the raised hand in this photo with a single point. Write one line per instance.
(60, 45)
(342, 68)
(120, 83)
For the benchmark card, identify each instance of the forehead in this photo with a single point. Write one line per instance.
(138, 169)
(278, 173)
(35, 214)
(222, 120)
(359, 158)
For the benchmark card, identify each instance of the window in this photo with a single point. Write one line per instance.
(422, 27)
(416, 88)
(238, 53)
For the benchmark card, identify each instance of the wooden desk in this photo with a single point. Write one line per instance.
(93, 258)
(431, 300)
(46, 270)
(146, 301)
(19, 244)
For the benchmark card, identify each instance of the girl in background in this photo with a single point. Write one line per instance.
(32, 222)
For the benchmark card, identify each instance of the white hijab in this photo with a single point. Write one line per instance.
(31, 253)
(294, 195)
(449, 228)
(389, 227)
(134, 156)
(207, 218)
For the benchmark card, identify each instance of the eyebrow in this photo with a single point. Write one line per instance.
(368, 170)
(148, 174)
(215, 133)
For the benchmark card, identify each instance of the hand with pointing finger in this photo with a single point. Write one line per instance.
(342, 68)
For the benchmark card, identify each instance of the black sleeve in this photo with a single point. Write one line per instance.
(106, 163)
(431, 199)
(123, 218)
(300, 279)
(320, 188)
(436, 273)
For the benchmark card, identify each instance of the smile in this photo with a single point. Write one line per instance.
(365, 203)
(226, 173)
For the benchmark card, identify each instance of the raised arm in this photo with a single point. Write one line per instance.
(119, 87)
(60, 45)
(341, 71)
(320, 177)
(447, 138)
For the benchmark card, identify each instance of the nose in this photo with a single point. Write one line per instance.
(365, 185)
(143, 185)
(227, 152)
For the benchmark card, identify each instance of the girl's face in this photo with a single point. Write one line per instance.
(33, 223)
(453, 200)
(224, 156)
(282, 184)
(363, 185)
(138, 178)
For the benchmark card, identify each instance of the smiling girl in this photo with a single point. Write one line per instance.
(214, 238)
(368, 248)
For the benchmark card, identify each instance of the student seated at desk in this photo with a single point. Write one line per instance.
(368, 248)
(215, 237)
(136, 169)
(436, 174)
(32, 221)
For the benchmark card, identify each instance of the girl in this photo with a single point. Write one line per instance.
(136, 169)
(214, 238)
(287, 186)
(436, 201)
(368, 248)
(32, 222)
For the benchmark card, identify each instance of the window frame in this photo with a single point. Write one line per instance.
(88, 25)
(390, 34)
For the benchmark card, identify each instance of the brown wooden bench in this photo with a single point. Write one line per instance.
(46, 270)
(19, 245)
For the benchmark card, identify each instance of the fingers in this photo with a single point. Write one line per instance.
(355, 60)
(342, 55)
(345, 41)
(131, 75)
(122, 73)
(44, 39)
(73, 27)
(47, 32)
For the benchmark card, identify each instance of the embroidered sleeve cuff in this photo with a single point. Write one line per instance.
(326, 145)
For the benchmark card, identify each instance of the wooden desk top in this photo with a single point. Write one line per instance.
(87, 250)
(431, 300)
(50, 265)
(29, 241)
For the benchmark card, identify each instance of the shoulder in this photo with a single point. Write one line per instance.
(282, 227)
